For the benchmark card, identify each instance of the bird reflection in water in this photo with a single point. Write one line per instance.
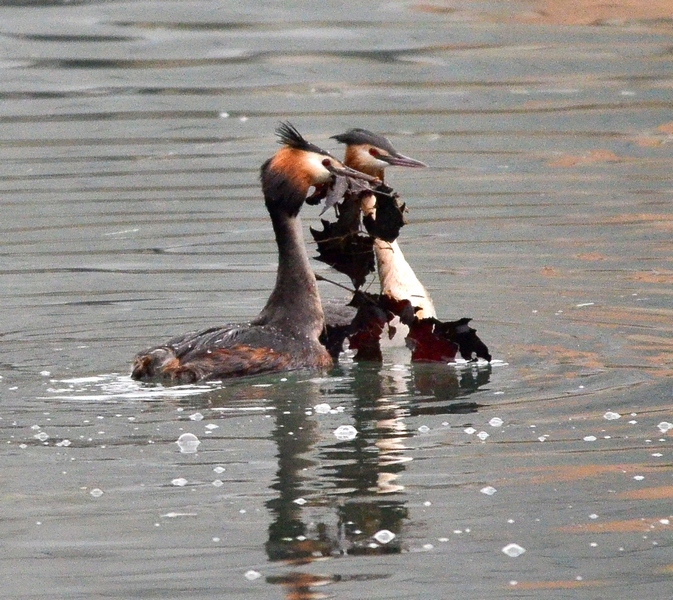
(332, 496)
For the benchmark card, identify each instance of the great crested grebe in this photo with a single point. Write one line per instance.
(284, 336)
(371, 153)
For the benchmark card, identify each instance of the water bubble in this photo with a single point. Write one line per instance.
(188, 443)
(513, 550)
(589, 438)
(219, 469)
(482, 435)
(96, 492)
(423, 429)
(64, 443)
(322, 409)
(212, 426)
(611, 416)
(180, 481)
(496, 422)
(665, 426)
(218, 483)
(197, 416)
(345, 432)
(638, 477)
(251, 575)
(384, 536)
(42, 436)
(470, 430)
(300, 501)
(489, 490)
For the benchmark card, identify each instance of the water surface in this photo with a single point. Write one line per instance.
(130, 211)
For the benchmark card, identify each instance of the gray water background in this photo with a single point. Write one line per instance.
(130, 211)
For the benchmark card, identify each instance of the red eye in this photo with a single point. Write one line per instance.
(374, 152)
(326, 162)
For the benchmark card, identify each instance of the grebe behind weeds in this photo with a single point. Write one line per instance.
(402, 296)
(371, 153)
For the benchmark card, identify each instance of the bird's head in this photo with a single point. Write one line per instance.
(371, 153)
(299, 165)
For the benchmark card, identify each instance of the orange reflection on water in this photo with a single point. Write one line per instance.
(577, 472)
(564, 12)
(592, 12)
(564, 584)
(625, 526)
(567, 355)
(664, 492)
(588, 158)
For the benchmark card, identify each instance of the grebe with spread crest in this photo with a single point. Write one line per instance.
(284, 336)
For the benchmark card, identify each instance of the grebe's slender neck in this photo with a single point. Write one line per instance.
(396, 276)
(294, 305)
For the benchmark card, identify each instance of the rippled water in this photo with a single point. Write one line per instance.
(132, 135)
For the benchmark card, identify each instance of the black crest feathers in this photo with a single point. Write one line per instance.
(289, 136)
(356, 137)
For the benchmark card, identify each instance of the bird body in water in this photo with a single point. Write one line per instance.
(371, 153)
(284, 336)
